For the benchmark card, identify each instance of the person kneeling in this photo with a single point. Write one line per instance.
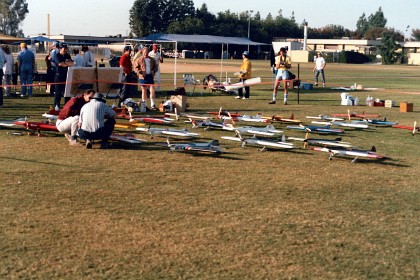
(92, 123)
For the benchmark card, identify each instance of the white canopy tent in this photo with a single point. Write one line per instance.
(199, 39)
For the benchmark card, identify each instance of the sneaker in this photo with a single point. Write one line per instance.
(67, 136)
(323, 85)
(88, 144)
(245, 97)
(153, 108)
(285, 102)
(23, 96)
(316, 84)
(74, 143)
(272, 102)
(238, 97)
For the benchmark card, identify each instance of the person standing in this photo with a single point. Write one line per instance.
(54, 68)
(79, 61)
(26, 64)
(88, 57)
(7, 69)
(145, 68)
(63, 61)
(283, 64)
(319, 68)
(159, 59)
(127, 67)
(68, 118)
(244, 74)
(92, 124)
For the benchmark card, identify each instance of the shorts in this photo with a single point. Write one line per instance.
(148, 80)
(282, 75)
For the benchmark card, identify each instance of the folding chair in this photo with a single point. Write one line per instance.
(190, 80)
(114, 87)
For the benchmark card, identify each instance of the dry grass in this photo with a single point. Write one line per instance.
(143, 213)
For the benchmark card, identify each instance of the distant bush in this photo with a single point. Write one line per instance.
(353, 58)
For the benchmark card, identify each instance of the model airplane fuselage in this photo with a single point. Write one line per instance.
(212, 147)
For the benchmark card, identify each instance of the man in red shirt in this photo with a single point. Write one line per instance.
(68, 118)
(127, 66)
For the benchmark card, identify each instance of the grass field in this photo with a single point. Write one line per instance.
(143, 213)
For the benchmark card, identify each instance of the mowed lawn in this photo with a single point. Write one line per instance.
(139, 212)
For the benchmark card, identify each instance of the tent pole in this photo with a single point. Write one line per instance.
(227, 52)
(176, 56)
(221, 64)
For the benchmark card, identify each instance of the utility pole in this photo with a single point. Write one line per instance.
(249, 13)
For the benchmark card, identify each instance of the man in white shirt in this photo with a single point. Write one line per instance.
(92, 124)
(319, 68)
(159, 59)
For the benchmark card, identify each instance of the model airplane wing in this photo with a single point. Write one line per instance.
(127, 138)
(249, 82)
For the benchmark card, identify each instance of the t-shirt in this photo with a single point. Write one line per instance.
(319, 62)
(62, 71)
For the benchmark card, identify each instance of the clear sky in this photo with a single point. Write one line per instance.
(110, 17)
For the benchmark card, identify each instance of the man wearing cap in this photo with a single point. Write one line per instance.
(51, 57)
(26, 64)
(283, 63)
(244, 74)
(159, 59)
(63, 61)
(68, 118)
(92, 124)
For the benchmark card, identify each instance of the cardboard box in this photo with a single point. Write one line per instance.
(389, 103)
(406, 107)
(179, 102)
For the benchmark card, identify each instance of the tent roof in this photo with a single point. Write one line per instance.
(207, 39)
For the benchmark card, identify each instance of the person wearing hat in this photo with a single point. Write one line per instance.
(244, 74)
(92, 124)
(63, 61)
(68, 118)
(2, 63)
(319, 68)
(53, 72)
(26, 64)
(159, 59)
(283, 64)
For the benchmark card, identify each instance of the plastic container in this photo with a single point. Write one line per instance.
(143, 107)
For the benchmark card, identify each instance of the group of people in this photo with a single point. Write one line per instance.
(144, 67)
(282, 65)
(58, 61)
(88, 117)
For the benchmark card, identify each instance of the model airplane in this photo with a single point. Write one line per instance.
(35, 128)
(278, 118)
(249, 82)
(208, 124)
(413, 128)
(325, 118)
(212, 147)
(127, 138)
(355, 115)
(269, 130)
(265, 143)
(344, 124)
(322, 142)
(377, 122)
(316, 129)
(353, 153)
(168, 132)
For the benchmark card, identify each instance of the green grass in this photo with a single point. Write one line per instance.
(144, 213)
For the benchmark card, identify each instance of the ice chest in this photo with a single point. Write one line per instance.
(179, 102)
(406, 107)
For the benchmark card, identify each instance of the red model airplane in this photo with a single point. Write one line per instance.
(413, 128)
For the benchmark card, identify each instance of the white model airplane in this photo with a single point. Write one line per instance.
(353, 153)
(212, 147)
(249, 82)
(265, 143)
(322, 142)
(344, 124)
(324, 118)
(168, 132)
(269, 130)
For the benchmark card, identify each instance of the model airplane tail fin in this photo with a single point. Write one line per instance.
(194, 123)
(292, 117)
(373, 149)
(238, 134)
(338, 139)
(283, 138)
(214, 143)
(167, 141)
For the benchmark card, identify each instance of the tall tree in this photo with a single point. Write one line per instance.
(377, 20)
(12, 13)
(362, 25)
(415, 34)
(389, 47)
(154, 16)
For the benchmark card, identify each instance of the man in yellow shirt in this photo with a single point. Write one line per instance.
(244, 74)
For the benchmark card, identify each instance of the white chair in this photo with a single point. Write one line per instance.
(189, 80)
